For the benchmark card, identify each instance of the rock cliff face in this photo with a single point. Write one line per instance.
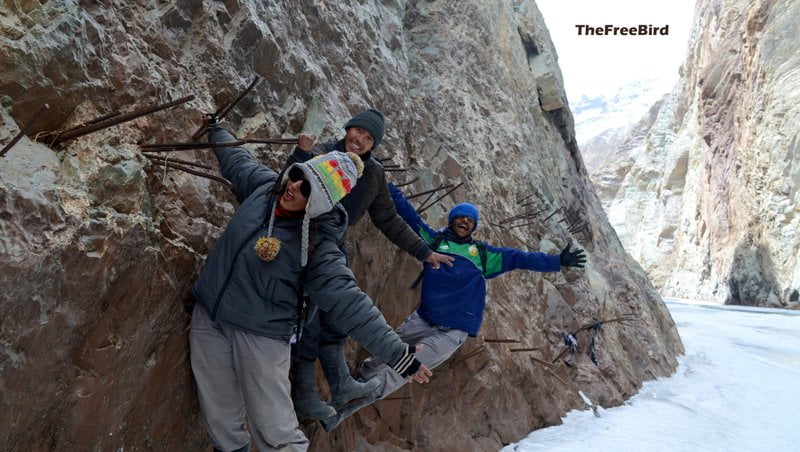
(704, 190)
(99, 247)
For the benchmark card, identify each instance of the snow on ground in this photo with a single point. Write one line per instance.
(737, 388)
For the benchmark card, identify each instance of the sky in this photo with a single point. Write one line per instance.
(737, 388)
(594, 65)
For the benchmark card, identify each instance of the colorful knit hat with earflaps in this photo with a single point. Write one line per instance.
(332, 176)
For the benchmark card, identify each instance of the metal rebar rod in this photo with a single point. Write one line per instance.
(398, 398)
(407, 183)
(577, 226)
(559, 378)
(417, 195)
(551, 215)
(24, 130)
(501, 341)
(422, 209)
(470, 355)
(232, 104)
(196, 173)
(527, 349)
(182, 162)
(561, 354)
(524, 243)
(119, 119)
(426, 200)
(523, 199)
(543, 362)
(162, 147)
(273, 141)
(395, 170)
(203, 127)
(392, 165)
(523, 224)
(525, 215)
(44, 137)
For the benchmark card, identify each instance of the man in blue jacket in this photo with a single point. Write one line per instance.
(453, 297)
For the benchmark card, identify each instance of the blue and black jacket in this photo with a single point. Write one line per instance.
(455, 296)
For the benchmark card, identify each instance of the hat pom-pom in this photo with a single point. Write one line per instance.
(357, 162)
(267, 248)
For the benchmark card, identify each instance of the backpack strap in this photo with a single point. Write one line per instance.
(483, 253)
(434, 246)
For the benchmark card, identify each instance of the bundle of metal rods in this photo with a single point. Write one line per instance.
(186, 166)
(105, 122)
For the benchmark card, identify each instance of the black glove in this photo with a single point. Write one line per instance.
(408, 364)
(212, 119)
(573, 259)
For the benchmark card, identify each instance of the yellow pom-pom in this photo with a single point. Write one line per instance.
(267, 248)
(357, 162)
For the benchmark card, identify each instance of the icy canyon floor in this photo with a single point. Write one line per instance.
(737, 388)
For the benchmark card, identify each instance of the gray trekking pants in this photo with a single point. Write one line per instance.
(242, 379)
(439, 344)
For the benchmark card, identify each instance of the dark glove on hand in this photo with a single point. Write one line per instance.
(211, 119)
(573, 259)
(408, 364)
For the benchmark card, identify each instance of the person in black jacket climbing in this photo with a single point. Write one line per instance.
(281, 243)
(322, 337)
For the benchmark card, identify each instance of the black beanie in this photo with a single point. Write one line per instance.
(370, 120)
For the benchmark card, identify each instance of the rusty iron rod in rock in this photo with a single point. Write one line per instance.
(272, 141)
(577, 226)
(561, 354)
(426, 200)
(93, 121)
(473, 353)
(181, 162)
(543, 362)
(390, 165)
(232, 104)
(528, 245)
(559, 378)
(119, 119)
(43, 137)
(423, 209)
(25, 129)
(226, 108)
(551, 215)
(523, 199)
(407, 183)
(196, 173)
(501, 341)
(398, 398)
(417, 195)
(523, 216)
(166, 147)
(395, 170)
(523, 224)
(526, 349)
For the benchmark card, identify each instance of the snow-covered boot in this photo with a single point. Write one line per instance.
(307, 404)
(348, 409)
(343, 387)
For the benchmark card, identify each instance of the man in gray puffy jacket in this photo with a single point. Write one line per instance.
(281, 242)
